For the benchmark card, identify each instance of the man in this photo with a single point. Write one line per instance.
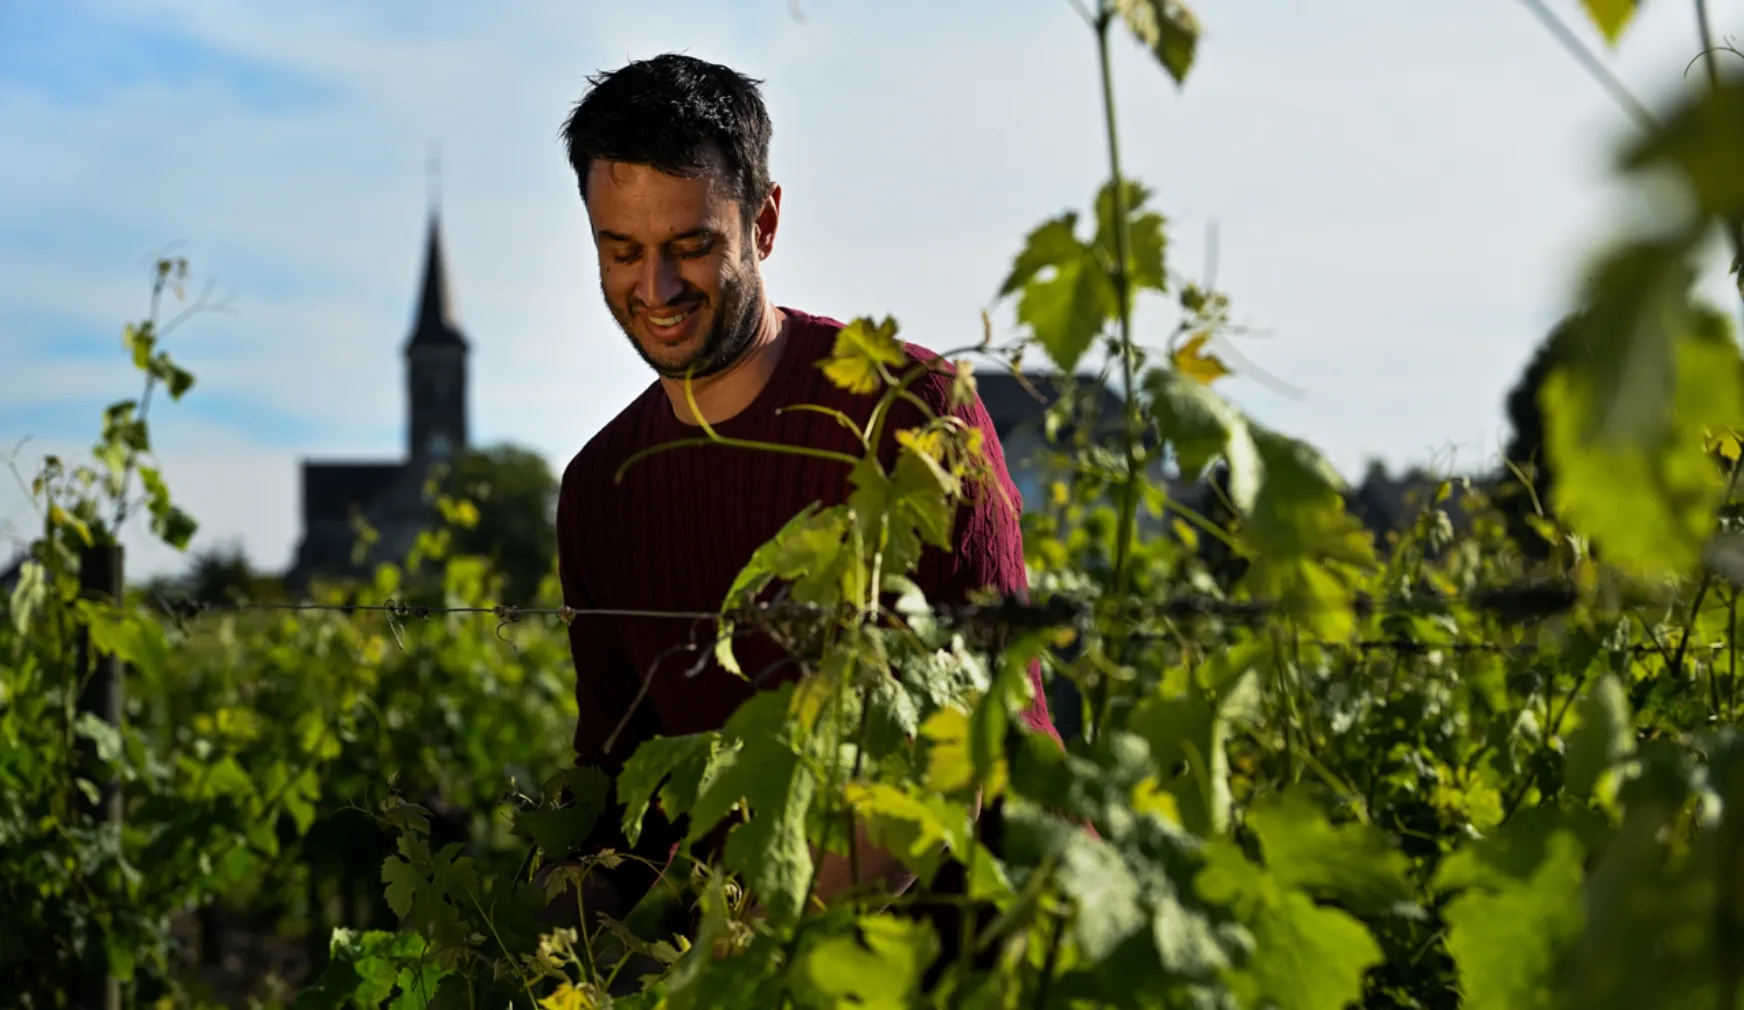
(671, 158)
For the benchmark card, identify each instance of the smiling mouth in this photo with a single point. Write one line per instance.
(669, 326)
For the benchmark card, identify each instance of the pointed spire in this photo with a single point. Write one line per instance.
(435, 324)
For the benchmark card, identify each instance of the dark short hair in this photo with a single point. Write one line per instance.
(666, 112)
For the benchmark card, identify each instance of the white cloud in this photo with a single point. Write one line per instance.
(1404, 193)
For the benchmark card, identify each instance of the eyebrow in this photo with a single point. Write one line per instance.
(613, 236)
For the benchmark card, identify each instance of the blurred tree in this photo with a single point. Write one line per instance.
(224, 575)
(515, 493)
(1525, 448)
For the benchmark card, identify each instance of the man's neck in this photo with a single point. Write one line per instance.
(724, 395)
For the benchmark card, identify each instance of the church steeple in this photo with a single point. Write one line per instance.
(435, 324)
(436, 353)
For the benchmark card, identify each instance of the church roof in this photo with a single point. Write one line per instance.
(331, 490)
(435, 326)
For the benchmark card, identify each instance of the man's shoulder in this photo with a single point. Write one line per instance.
(934, 387)
(939, 386)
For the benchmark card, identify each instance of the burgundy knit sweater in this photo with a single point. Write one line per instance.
(677, 530)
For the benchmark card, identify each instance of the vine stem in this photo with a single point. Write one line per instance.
(1122, 295)
(520, 976)
(164, 268)
(1596, 68)
(581, 919)
(848, 808)
(680, 443)
(1050, 963)
(144, 400)
(1734, 227)
(1696, 609)
(1552, 728)
(1732, 654)
(831, 782)
(1726, 915)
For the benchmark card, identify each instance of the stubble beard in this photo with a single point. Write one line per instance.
(733, 329)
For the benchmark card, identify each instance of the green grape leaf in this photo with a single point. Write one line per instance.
(923, 493)
(650, 765)
(1626, 408)
(915, 827)
(862, 348)
(138, 342)
(1105, 892)
(555, 831)
(1506, 944)
(174, 527)
(1145, 235)
(381, 960)
(1010, 692)
(1066, 294)
(1169, 28)
(1515, 852)
(404, 881)
(139, 643)
(1201, 426)
(1048, 244)
(1601, 739)
(105, 738)
(878, 964)
(1634, 891)
(28, 594)
(1699, 141)
(1299, 512)
(757, 772)
(759, 571)
(812, 555)
(809, 551)
(176, 379)
(769, 849)
(1308, 551)
(1190, 732)
(1305, 957)
(1352, 863)
(949, 767)
(913, 505)
(60, 517)
(298, 796)
(1610, 17)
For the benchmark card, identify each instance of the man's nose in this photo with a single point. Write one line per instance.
(660, 282)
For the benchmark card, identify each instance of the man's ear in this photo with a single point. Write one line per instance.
(764, 225)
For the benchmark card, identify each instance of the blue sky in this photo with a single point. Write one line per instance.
(1404, 194)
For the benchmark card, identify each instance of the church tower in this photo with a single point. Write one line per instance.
(388, 494)
(435, 366)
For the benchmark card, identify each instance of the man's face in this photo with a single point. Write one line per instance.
(678, 266)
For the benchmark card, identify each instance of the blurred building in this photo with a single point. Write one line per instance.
(388, 494)
(1384, 503)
